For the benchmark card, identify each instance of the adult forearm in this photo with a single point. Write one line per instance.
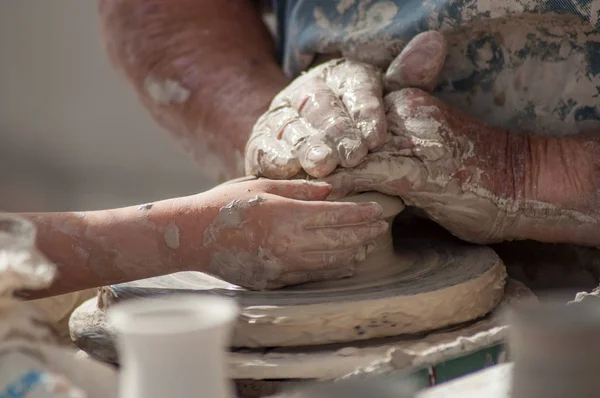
(562, 185)
(205, 69)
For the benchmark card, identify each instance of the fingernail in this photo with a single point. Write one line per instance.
(318, 154)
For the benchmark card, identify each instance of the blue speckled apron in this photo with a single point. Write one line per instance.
(529, 65)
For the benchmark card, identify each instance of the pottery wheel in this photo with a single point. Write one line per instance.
(431, 283)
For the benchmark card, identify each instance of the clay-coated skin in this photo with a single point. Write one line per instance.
(204, 69)
(258, 234)
(333, 115)
(483, 184)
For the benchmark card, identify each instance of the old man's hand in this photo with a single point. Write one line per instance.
(483, 184)
(333, 115)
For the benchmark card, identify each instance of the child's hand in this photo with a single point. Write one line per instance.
(266, 234)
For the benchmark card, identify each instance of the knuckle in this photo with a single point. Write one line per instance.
(370, 107)
(336, 125)
(372, 129)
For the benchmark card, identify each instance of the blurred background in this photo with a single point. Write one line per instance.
(72, 134)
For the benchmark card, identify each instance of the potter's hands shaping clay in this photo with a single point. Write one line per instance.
(483, 184)
(333, 114)
(268, 234)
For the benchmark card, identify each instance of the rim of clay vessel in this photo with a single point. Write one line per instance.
(174, 314)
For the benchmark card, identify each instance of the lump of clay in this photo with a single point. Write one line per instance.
(384, 255)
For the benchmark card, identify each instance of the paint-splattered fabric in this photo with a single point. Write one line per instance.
(529, 65)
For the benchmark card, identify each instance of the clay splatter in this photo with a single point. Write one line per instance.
(167, 91)
(171, 236)
(146, 206)
(230, 216)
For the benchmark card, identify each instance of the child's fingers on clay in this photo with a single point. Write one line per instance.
(342, 183)
(419, 64)
(365, 177)
(332, 214)
(297, 189)
(329, 259)
(407, 109)
(360, 88)
(340, 238)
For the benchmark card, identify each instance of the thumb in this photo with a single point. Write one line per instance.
(299, 189)
(419, 64)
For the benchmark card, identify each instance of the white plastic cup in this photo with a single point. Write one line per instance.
(174, 346)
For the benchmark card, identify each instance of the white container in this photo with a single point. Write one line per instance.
(174, 347)
(556, 350)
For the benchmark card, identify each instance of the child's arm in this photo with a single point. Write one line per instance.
(258, 234)
(105, 247)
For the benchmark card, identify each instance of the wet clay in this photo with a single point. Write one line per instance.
(384, 255)
(429, 284)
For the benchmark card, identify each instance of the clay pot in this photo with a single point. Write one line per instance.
(174, 347)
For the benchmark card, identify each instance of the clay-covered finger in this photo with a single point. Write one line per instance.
(341, 238)
(419, 64)
(298, 189)
(314, 154)
(364, 251)
(338, 214)
(324, 111)
(266, 154)
(384, 172)
(328, 260)
(266, 157)
(359, 87)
